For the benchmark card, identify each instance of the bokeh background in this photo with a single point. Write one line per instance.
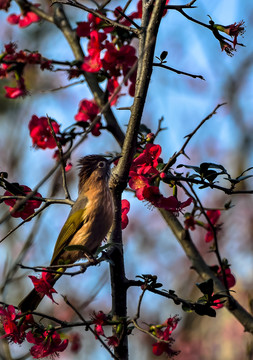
(150, 247)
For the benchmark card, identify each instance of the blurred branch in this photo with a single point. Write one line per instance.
(199, 265)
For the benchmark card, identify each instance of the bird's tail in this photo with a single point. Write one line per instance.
(31, 301)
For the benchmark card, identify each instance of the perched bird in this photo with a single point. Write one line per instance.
(88, 222)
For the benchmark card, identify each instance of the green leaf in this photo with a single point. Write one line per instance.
(206, 287)
(186, 307)
(204, 310)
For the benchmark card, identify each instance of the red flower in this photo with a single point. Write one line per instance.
(88, 110)
(23, 20)
(99, 319)
(48, 343)
(4, 4)
(113, 341)
(12, 332)
(41, 133)
(20, 90)
(125, 206)
(189, 222)
(229, 277)
(161, 347)
(213, 216)
(43, 285)
(83, 29)
(28, 208)
(233, 30)
(218, 305)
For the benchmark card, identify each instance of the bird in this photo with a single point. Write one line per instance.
(88, 223)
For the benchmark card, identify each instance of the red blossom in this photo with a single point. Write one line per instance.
(83, 29)
(161, 347)
(45, 344)
(44, 285)
(125, 207)
(88, 110)
(112, 85)
(15, 92)
(92, 63)
(230, 279)
(9, 320)
(113, 341)
(213, 216)
(23, 20)
(99, 319)
(28, 208)
(4, 4)
(189, 222)
(41, 132)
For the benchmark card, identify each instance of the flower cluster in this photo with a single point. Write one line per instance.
(100, 319)
(144, 179)
(108, 52)
(23, 20)
(163, 333)
(13, 63)
(125, 207)
(45, 343)
(28, 208)
(15, 325)
(213, 215)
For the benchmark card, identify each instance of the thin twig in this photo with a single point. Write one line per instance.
(86, 323)
(178, 71)
(63, 161)
(189, 136)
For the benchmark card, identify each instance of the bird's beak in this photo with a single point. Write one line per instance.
(114, 159)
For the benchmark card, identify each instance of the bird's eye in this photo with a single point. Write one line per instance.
(101, 164)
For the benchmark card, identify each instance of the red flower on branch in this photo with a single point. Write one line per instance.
(161, 347)
(99, 319)
(4, 4)
(46, 343)
(28, 208)
(125, 207)
(15, 92)
(41, 132)
(44, 285)
(213, 216)
(9, 319)
(88, 110)
(230, 279)
(23, 20)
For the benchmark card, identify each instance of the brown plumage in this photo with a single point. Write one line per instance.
(88, 222)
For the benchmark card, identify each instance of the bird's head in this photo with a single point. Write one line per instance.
(94, 168)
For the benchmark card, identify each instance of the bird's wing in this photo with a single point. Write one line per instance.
(72, 225)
